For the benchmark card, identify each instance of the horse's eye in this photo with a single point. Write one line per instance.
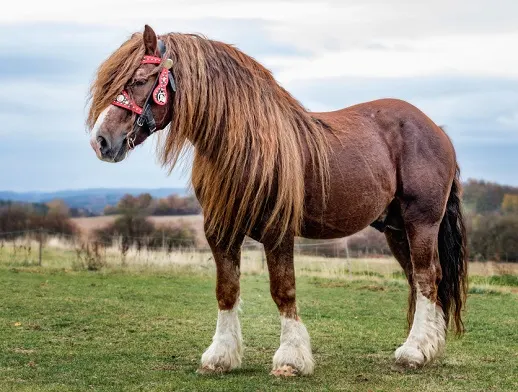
(140, 82)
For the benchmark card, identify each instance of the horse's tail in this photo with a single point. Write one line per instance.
(453, 258)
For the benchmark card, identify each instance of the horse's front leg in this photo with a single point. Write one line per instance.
(294, 354)
(226, 350)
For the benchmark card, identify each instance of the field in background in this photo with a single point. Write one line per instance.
(59, 253)
(194, 222)
(87, 226)
(97, 222)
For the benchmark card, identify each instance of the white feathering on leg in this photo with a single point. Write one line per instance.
(226, 350)
(427, 336)
(295, 349)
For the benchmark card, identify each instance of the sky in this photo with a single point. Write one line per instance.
(456, 61)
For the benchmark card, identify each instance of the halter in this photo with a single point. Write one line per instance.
(158, 93)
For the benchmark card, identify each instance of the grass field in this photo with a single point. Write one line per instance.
(145, 330)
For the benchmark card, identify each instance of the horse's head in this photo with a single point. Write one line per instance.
(143, 86)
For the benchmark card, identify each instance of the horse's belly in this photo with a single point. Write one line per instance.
(343, 221)
(360, 190)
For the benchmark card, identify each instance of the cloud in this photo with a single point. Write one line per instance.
(454, 60)
(455, 55)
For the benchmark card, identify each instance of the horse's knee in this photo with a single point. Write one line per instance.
(227, 294)
(284, 297)
(227, 284)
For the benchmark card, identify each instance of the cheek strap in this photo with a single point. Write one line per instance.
(160, 95)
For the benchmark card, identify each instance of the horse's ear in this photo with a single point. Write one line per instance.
(150, 41)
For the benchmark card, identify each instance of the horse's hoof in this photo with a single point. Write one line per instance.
(409, 357)
(284, 371)
(211, 369)
(217, 365)
(221, 357)
(293, 357)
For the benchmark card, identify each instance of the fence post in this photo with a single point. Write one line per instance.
(349, 266)
(40, 239)
(163, 240)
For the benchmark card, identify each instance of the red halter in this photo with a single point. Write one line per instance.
(160, 97)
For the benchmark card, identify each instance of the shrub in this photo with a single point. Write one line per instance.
(136, 230)
(91, 257)
(130, 228)
(169, 238)
(18, 218)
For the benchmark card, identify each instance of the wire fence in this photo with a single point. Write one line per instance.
(339, 245)
(329, 258)
(53, 248)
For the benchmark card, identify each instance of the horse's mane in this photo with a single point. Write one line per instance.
(252, 138)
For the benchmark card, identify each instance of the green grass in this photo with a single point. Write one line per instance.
(123, 331)
(498, 280)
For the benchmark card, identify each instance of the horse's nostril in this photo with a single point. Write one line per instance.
(103, 144)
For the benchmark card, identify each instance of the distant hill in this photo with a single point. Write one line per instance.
(93, 200)
(479, 196)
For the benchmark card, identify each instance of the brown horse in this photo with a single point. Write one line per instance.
(267, 168)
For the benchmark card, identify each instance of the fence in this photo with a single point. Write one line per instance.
(35, 248)
(48, 248)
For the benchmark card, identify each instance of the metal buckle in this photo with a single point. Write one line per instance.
(140, 121)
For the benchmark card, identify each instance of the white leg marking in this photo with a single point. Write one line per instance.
(226, 350)
(427, 336)
(294, 354)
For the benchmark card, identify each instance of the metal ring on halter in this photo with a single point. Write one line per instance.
(131, 140)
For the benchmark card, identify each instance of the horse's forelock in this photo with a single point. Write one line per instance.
(113, 74)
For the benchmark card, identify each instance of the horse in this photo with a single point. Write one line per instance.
(267, 168)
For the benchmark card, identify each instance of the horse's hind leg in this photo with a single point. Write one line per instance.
(398, 244)
(294, 354)
(226, 350)
(427, 335)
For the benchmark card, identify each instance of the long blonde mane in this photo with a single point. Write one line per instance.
(253, 140)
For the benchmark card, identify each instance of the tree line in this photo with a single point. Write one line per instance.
(170, 205)
(491, 214)
(483, 197)
(131, 228)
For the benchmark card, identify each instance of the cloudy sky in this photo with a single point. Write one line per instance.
(456, 60)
